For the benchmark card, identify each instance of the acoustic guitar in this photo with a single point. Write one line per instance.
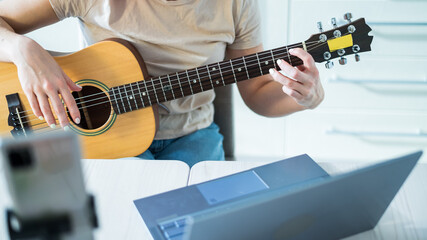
(118, 99)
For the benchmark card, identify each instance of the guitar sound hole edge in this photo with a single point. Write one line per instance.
(94, 107)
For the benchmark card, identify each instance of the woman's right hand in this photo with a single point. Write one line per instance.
(43, 81)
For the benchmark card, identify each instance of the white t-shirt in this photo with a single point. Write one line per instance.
(171, 36)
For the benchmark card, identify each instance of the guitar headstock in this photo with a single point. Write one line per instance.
(339, 42)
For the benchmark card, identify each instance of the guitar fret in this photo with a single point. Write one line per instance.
(222, 77)
(204, 79)
(183, 83)
(189, 82)
(154, 90)
(163, 90)
(209, 74)
(255, 69)
(171, 87)
(147, 93)
(274, 61)
(232, 69)
(140, 94)
(180, 86)
(133, 96)
(259, 64)
(287, 51)
(214, 72)
(115, 98)
(247, 70)
(198, 76)
(229, 76)
(239, 69)
(197, 84)
(121, 98)
(266, 65)
(127, 97)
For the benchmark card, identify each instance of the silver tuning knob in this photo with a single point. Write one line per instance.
(357, 57)
(348, 17)
(334, 22)
(329, 64)
(343, 61)
(319, 26)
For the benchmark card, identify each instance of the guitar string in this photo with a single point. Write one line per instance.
(132, 104)
(155, 90)
(226, 76)
(157, 79)
(136, 104)
(267, 55)
(174, 81)
(50, 129)
(129, 88)
(151, 92)
(122, 98)
(202, 81)
(172, 86)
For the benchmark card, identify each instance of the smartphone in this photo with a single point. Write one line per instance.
(45, 180)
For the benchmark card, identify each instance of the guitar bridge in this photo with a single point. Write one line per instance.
(17, 119)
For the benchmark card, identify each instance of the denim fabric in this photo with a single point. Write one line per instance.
(204, 144)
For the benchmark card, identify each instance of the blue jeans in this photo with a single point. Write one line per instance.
(204, 144)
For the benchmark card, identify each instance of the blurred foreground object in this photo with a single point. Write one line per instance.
(45, 181)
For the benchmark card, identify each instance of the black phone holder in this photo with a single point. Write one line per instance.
(47, 227)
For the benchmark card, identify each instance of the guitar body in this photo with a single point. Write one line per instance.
(104, 134)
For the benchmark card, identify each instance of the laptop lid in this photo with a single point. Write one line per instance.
(333, 208)
(165, 214)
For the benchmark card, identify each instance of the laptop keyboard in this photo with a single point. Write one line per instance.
(173, 230)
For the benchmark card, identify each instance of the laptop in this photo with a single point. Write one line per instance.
(289, 199)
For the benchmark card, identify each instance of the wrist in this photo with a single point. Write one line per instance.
(19, 47)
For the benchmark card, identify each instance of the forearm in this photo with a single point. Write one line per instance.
(268, 99)
(9, 43)
(7, 38)
(20, 17)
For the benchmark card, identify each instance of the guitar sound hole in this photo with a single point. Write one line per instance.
(94, 107)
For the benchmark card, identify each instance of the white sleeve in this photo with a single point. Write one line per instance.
(71, 8)
(247, 25)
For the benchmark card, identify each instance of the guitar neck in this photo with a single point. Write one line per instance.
(133, 96)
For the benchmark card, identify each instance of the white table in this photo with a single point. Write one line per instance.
(406, 217)
(115, 184)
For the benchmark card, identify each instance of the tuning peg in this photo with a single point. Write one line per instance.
(348, 17)
(357, 57)
(319, 26)
(329, 64)
(337, 33)
(343, 61)
(334, 22)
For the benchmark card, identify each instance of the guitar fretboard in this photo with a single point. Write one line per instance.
(141, 94)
